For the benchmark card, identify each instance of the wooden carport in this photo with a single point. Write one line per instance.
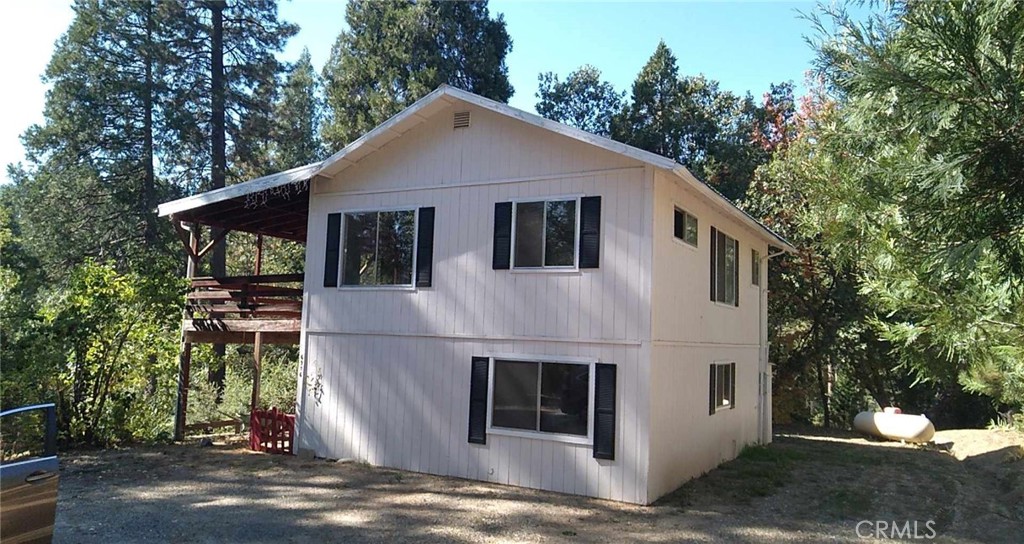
(257, 309)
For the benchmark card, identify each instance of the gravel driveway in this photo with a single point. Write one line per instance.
(800, 489)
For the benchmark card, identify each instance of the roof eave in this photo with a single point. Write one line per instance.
(733, 210)
(257, 185)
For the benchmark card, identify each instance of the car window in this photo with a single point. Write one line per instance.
(22, 436)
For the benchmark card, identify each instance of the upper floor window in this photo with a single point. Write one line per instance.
(545, 234)
(685, 227)
(378, 248)
(725, 254)
(755, 267)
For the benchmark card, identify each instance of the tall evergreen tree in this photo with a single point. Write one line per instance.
(689, 119)
(931, 200)
(224, 89)
(583, 100)
(250, 36)
(91, 186)
(396, 51)
(653, 118)
(298, 117)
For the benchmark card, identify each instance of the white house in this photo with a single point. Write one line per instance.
(492, 295)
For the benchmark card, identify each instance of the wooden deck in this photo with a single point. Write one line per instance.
(231, 310)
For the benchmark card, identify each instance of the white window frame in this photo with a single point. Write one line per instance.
(716, 365)
(732, 277)
(541, 435)
(678, 208)
(415, 245)
(543, 248)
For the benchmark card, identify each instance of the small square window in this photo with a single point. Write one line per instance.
(685, 227)
(755, 267)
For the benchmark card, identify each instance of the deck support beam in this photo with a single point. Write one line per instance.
(257, 349)
(185, 356)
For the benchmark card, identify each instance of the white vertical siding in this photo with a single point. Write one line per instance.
(395, 364)
(403, 402)
(689, 333)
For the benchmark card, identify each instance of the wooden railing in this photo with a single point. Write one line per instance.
(220, 309)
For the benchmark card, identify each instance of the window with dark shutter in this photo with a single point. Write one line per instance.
(425, 248)
(541, 396)
(333, 252)
(378, 248)
(604, 411)
(545, 233)
(502, 258)
(478, 400)
(590, 232)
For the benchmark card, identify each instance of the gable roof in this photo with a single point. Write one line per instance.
(438, 100)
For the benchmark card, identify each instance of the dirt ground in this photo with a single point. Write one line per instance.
(803, 488)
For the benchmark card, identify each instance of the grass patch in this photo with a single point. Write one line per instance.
(758, 471)
(847, 502)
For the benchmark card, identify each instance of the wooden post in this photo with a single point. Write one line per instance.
(259, 254)
(257, 349)
(185, 356)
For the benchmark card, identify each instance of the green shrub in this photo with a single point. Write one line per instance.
(277, 383)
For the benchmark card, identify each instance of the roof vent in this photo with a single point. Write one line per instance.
(461, 119)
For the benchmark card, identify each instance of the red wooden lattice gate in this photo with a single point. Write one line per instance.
(271, 431)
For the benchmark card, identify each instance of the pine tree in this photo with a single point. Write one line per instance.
(690, 120)
(91, 186)
(653, 119)
(396, 51)
(298, 117)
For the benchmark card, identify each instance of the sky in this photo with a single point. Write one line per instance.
(743, 45)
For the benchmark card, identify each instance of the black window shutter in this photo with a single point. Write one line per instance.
(736, 273)
(502, 235)
(478, 400)
(732, 385)
(711, 391)
(713, 246)
(425, 248)
(590, 232)
(332, 254)
(604, 411)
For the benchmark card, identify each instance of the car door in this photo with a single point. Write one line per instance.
(28, 474)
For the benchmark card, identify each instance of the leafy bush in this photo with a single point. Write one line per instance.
(277, 383)
(103, 347)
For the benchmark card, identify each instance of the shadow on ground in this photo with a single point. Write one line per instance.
(802, 488)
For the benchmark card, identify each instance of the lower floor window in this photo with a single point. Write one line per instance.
(541, 396)
(723, 385)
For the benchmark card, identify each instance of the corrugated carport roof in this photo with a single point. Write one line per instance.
(275, 205)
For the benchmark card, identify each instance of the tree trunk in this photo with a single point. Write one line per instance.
(219, 160)
(149, 180)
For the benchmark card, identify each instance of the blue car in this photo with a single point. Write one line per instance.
(28, 473)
